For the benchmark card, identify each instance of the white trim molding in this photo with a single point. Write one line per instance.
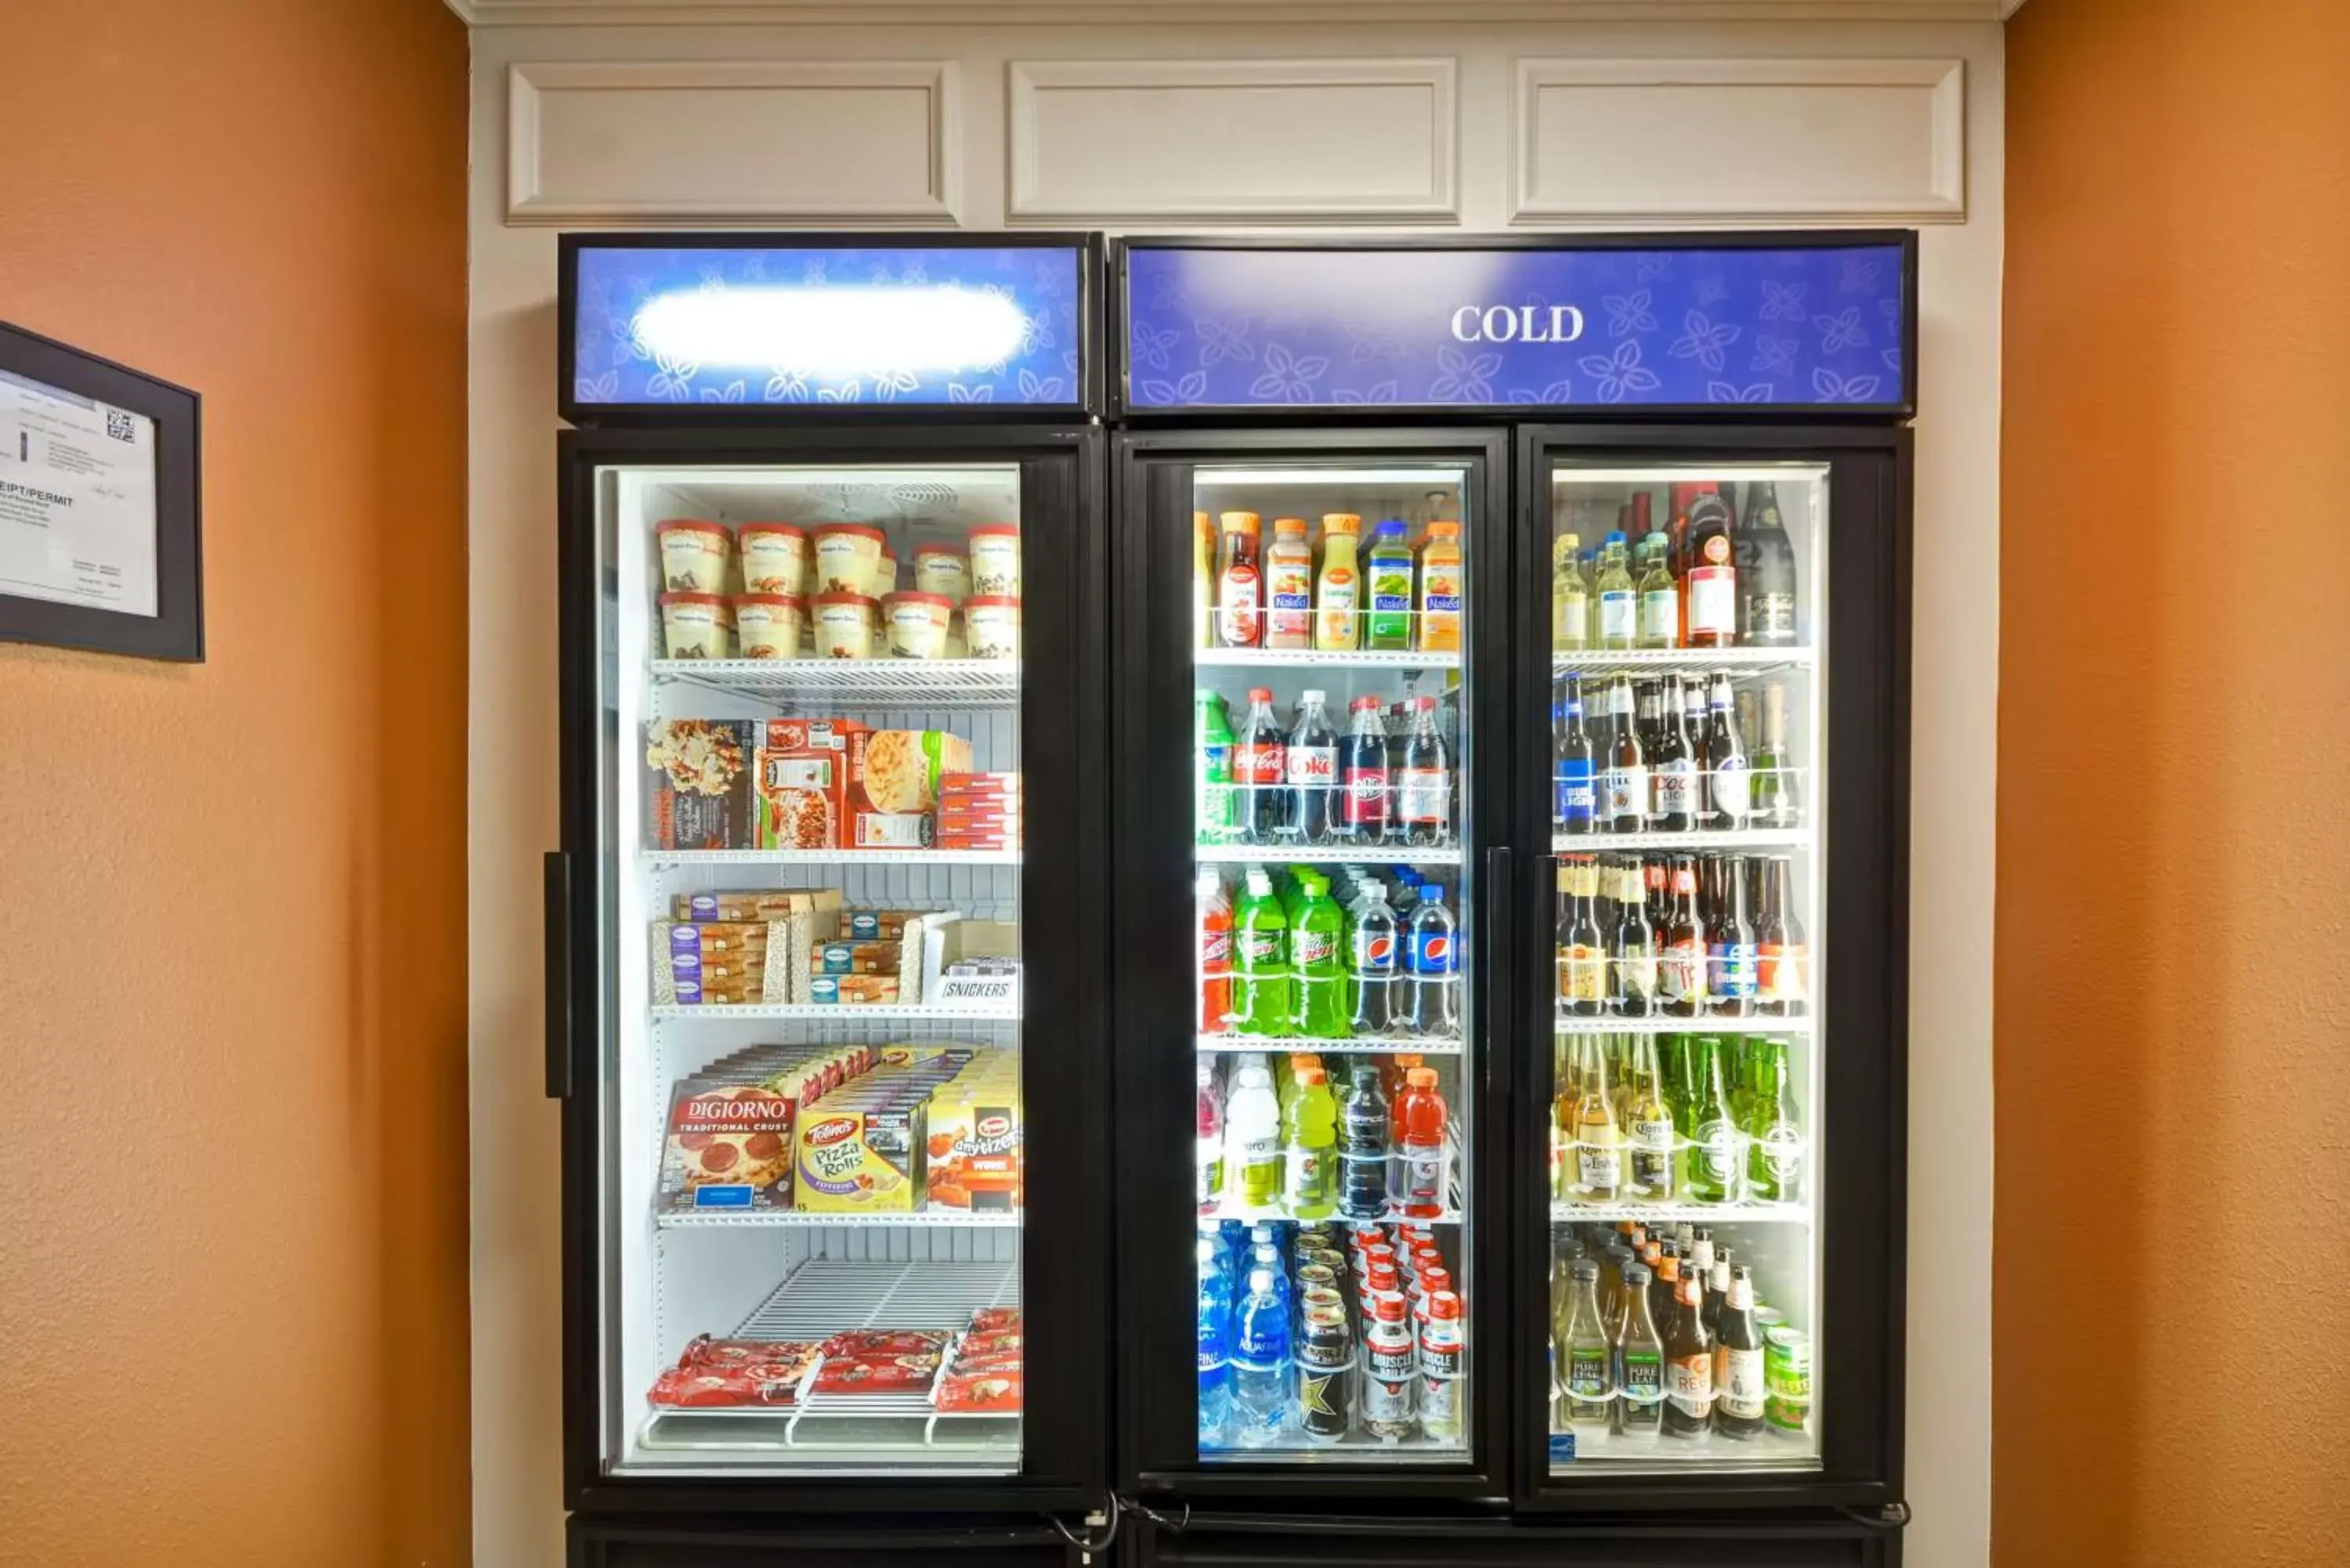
(791, 142)
(1196, 142)
(1603, 140)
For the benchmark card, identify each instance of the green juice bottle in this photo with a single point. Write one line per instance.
(1388, 569)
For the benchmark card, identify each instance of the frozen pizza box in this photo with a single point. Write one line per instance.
(971, 963)
(894, 788)
(805, 768)
(731, 1145)
(701, 789)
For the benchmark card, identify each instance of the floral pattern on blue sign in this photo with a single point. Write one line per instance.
(616, 363)
(1242, 328)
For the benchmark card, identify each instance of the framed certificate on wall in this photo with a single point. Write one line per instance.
(100, 508)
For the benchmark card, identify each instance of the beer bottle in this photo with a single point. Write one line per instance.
(1711, 1174)
(1681, 955)
(1726, 803)
(1673, 769)
(1664, 1294)
(1582, 959)
(1645, 706)
(1775, 801)
(1632, 951)
(1624, 784)
(1782, 960)
(1693, 691)
(1597, 1170)
(1730, 943)
(1766, 572)
(1709, 580)
(1659, 603)
(1572, 768)
(1689, 1366)
(1639, 1358)
(1648, 1129)
(1570, 607)
(1774, 1152)
(1738, 1362)
(1590, 1358)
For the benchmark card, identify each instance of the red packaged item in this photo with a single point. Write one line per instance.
(987, 1318)
(989, 1392)
(988, 1341)
(718, 1374)
(877, 1375)
(884, 1342)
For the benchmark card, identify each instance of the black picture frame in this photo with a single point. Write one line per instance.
(176, 630)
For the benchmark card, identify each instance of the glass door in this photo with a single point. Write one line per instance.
(1688, 637)
(836, 1079)
(1312, 863)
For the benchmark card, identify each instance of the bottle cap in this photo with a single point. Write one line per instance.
(1421, 1078)
(1311, 697)
(1635, 1274)
(1391, 527)
(1443, 1304)
(1390, 1307)
(1289, 525)
(1655, 536)
(1361, 703)
(1615, 535)
(1260, 694)
(1585, 1270)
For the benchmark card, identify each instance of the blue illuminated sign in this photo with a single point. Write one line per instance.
(707, 327)
(1812, 325)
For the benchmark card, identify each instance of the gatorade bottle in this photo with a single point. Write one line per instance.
(1313, 1137)
(1261, 990)
(1208, 1150)
(1215, 955)
(1394, 1077)
(1319, 982)
(1363, 1146)
(1253, 1139)
(1425, 1176)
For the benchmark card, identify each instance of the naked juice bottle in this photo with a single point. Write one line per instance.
(1338, 594)
(1289, 587)
(1441, 589)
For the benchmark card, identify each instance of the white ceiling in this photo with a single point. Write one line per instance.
(551, 13)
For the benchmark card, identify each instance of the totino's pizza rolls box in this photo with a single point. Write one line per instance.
(865, 1148)
(702, 790)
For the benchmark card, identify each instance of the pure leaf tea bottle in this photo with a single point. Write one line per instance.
(1590, 1357)
(1639, 1359)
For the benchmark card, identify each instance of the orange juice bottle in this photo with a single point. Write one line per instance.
(1442, 577)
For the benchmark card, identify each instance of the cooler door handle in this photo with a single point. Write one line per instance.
(1500, 949)
(555, 887)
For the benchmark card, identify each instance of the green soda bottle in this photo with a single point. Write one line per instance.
(1216, 806)
(1261, 990)
(1388, 570)
(1317, 939)
(1311, 1124)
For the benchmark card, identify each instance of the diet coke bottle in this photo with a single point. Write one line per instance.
(1313, 773)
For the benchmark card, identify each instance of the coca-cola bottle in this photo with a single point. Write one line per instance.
(1363, 773)
(1424, 793)
(1260, 771)
(1312, 766)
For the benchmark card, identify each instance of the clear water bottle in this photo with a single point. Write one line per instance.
(1215, 1324)
(1260, 1365)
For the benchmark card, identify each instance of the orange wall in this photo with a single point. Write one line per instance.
(232, 895)
(2173, 1006)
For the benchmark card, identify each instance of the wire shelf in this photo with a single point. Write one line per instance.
(1565, 1022)
(1322, 855)
(918, 1220)
(1708, 839)
(836, 1012)
(825, 1295)
(1563, 1212)
(1345, 1045)
(1313, 659)
(658, 859)
(1734, 661)
(871, 683)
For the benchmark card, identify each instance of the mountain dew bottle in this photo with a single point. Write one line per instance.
(1318, 971)
(1261, 988)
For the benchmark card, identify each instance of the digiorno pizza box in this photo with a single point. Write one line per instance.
(729, 1146)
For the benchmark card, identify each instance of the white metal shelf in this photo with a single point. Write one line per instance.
(825, 1295)
(1322, 855)
(657, 860)
(1567, 1022)
(1732, 661)
(770, 1219)
(835, 1012)
(885, 683)
(1285, 659)
(1704, 838)
(1342, 1046)
(1247, 1215)
(1563, 1212)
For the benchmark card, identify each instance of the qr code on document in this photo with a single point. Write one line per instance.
(120, 425)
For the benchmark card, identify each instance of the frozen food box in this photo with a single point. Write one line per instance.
(971, 963)
(894, 786)
(976, 1142)
(864, 1150)
(729, 1146)
(757, 905)
(853, 989)
(875, 956)
(720, 964)
(703, 792)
